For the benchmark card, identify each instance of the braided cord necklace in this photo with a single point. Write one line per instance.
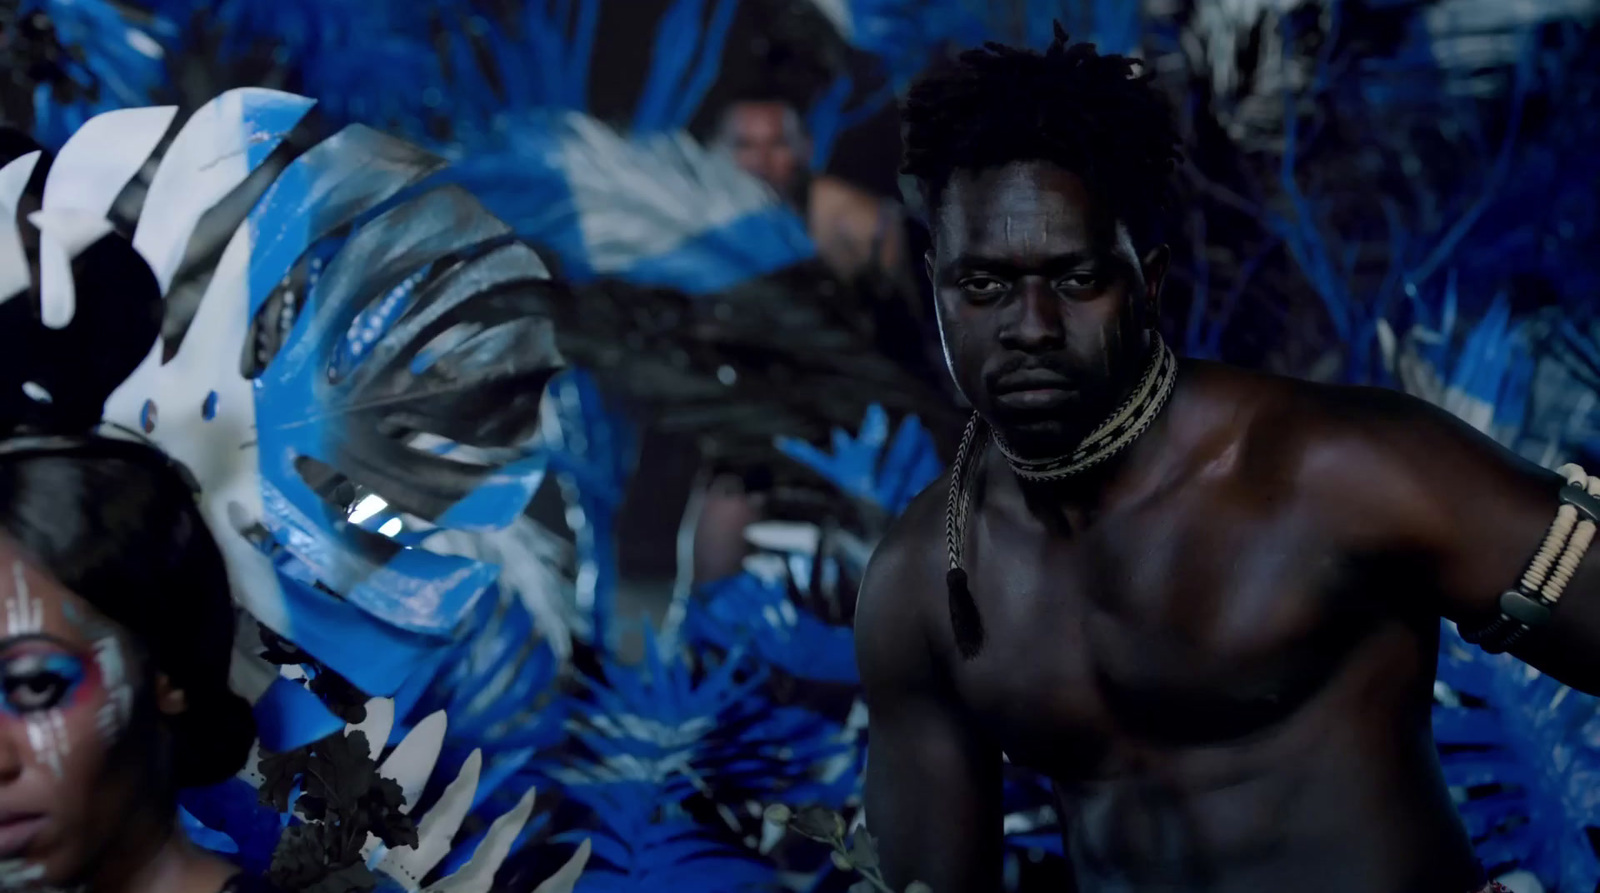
(1114, 435)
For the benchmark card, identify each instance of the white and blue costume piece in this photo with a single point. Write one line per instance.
(336, 232)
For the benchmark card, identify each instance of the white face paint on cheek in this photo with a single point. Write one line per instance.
(114, 713)
(18, 874)
(47, 734)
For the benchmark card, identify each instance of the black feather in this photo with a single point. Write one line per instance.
(964, 617)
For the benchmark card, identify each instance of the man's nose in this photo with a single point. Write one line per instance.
(1035, 325)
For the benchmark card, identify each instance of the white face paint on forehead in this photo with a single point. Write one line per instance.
(24, 614)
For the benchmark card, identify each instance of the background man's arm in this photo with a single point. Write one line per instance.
(933, 796)
(1479, 513)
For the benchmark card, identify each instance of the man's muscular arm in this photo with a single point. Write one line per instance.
(933, 781)
(1477, 514)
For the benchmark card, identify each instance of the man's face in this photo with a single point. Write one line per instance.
(766, 142)
(1044, 308)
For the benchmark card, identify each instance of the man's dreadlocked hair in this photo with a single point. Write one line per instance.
(1097, 116)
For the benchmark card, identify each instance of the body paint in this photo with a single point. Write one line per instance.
(47, 745)
(24, 613)
(17, 874)
(114, 713)
(118, 708)
(46, 724)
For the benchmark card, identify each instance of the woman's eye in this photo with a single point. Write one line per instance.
(40, 691)
(31, 684)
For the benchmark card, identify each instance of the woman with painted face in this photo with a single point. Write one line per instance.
(116, 622)
(115, 633)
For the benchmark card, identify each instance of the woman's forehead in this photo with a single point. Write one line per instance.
(34, 602)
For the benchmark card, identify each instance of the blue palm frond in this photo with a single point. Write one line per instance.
(648, 740)
(540, 59)
(304, 415)
(683, 63)
(710, 731)
(122, 64)
(592, 451)
(746, 612)
(642, 842)
(234, 822)
(1521, 752)
(656, 209)
(871, 467)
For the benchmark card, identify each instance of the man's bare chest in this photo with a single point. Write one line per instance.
(1163, 627)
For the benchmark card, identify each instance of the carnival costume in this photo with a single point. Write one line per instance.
(301, 328)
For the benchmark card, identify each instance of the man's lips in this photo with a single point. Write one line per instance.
(1032, 380)
(17, 831)
(1033, 389)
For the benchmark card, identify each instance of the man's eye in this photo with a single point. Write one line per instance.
(982, 287)
(1078, 281)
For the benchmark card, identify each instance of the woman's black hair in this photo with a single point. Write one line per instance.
(126, 536)
(114, 521)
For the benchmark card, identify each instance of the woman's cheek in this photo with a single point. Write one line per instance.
(113, 687)
(75, 730)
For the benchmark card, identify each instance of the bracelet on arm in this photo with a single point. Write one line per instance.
(1529, 605)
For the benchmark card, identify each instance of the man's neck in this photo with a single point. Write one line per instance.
(1071, 503)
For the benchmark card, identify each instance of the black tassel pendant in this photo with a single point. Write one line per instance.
(964, 617)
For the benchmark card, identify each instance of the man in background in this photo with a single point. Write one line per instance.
(854, 230)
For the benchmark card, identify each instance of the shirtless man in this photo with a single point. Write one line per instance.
(853, 229)
(1215, 627)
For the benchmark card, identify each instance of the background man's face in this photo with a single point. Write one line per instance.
(766, 142)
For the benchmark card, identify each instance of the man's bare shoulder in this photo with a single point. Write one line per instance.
(1291, 416)
(1362, 458)
(903, 583)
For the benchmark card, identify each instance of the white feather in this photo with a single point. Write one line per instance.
(643, 197)
(14, 275)
(95, 165)
(221, 452)
(378, 724)
(564, 880)
(532, 563)
(63, 235)
(413, 758)
(206, 161)
(838, 12)
(409, 865)
(478, 874)
(14, 178)
(784, 536)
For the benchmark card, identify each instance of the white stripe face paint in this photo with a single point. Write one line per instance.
(24, 613)
(47, 735)
(114, 713)
(47, 730)
(19, 874)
